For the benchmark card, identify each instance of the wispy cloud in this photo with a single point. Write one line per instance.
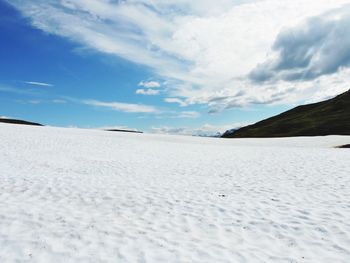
(42, 84)
(123, 107)
(149, 84)
(9, 89)
(148, 92)
(181, 102)
(141, 108)
(187, 114)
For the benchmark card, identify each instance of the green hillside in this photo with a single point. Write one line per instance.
(331, 117)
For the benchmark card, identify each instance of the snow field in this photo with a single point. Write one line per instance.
(70, 195)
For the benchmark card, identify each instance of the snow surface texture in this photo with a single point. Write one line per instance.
(70, 195)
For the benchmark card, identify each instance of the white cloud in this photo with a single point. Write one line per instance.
(39, 83)
(149, 84)
(123, 107)
(149, 92)
(203, 49)
(182, 103)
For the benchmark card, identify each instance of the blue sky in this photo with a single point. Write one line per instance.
(182, 67)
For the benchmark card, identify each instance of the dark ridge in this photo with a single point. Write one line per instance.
(117, 130)
(330, 117)
(13, 121)
(344, 146)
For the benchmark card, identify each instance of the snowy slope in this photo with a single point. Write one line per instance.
(70, 195)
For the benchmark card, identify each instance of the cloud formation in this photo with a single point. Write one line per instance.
(321, 46)
(208, 51)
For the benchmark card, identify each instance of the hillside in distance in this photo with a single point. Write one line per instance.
(122, 130)
(330, 117)
(14, 121)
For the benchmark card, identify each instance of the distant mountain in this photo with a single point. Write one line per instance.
(330, 117)
(13, 121)
(207, 134)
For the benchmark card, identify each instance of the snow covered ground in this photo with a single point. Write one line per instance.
(70, 195)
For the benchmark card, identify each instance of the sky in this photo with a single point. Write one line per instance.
(175, 66)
